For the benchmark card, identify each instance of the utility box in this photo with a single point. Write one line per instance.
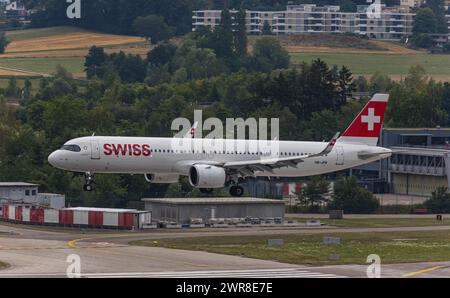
(336, 214)
(331, 240)
(275, 242)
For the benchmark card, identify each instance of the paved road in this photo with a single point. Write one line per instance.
(365, 216)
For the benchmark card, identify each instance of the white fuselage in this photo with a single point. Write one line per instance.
(141, 155)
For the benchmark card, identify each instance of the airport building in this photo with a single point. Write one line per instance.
(420, 162)
(21, 192)
(205, 210)
(392, 23)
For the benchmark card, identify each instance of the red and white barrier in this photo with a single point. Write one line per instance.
(80, 216)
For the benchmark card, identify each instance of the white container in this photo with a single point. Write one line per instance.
(110, 219)
(51, 216)
(80, 217)
(12, 212)
(26, 214)
(145, 219)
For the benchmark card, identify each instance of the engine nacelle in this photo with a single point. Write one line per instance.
(162, 178)
(207, 176)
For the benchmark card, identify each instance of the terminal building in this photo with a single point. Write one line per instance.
(420, 162)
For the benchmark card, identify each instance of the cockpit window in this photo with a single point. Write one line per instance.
(74, 148)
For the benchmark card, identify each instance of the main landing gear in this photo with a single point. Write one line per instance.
(206, 190)
(236, 191)
(89, 180)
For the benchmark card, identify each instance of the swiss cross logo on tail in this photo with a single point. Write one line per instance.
(366, 127)
(371, 119)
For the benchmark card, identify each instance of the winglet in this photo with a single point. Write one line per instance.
(329, 146)
(191, 133)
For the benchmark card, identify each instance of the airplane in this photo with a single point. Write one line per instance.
(209, 168)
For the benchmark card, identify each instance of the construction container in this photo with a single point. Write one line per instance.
(26, 215)
(5, 211)
(66, 217)
(12, 212)
(37, 216)
(18, 214)
(95, 218)
(80, 217)
(51, 216)
(126, 220)
(110, 219)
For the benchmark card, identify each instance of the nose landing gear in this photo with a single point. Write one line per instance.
(89, 180)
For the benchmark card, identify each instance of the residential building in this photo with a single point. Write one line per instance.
(392, 23)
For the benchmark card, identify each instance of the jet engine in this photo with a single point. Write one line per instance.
(207, 176)
(162, 178)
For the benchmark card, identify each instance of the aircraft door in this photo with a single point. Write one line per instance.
(340, 155)
(95, 150)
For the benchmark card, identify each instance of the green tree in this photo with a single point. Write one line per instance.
(314, 194)
(267, 29)
(439, 201)
(12, 89)
(93, 65)
(268, 55)
(62, 73)
(3, 42)
(345, 85)
(201, 63)
(132, 69)
(153, 27)
(352, 198)
(223, 43)
(161, 54)
(27, 89)
(422, 40)
(241, 33)
(425, 21)
(438, 8)
(379, 83)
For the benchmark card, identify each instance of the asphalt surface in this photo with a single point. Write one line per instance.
(39, 253)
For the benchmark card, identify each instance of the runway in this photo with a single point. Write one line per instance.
(110, 255)
(42, 258)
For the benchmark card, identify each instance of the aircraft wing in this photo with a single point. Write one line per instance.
(269, 164)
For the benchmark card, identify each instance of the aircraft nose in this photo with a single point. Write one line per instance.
(53, 159)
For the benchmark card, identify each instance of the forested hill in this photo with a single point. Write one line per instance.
(116, 16)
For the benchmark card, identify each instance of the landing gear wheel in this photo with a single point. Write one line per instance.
(236, 191)
(89, 179)
(206, 190)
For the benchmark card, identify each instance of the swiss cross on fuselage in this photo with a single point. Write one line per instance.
(371, 119)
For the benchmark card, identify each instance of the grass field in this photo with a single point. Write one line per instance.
(63, 38)
(40, 50)
(398, 247)
(45, 65)
(380, 222)
(391, 64)
(3, 265)
(17, 35)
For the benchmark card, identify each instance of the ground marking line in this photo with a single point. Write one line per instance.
(423, 271)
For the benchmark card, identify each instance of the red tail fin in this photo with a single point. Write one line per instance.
(366, 127)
